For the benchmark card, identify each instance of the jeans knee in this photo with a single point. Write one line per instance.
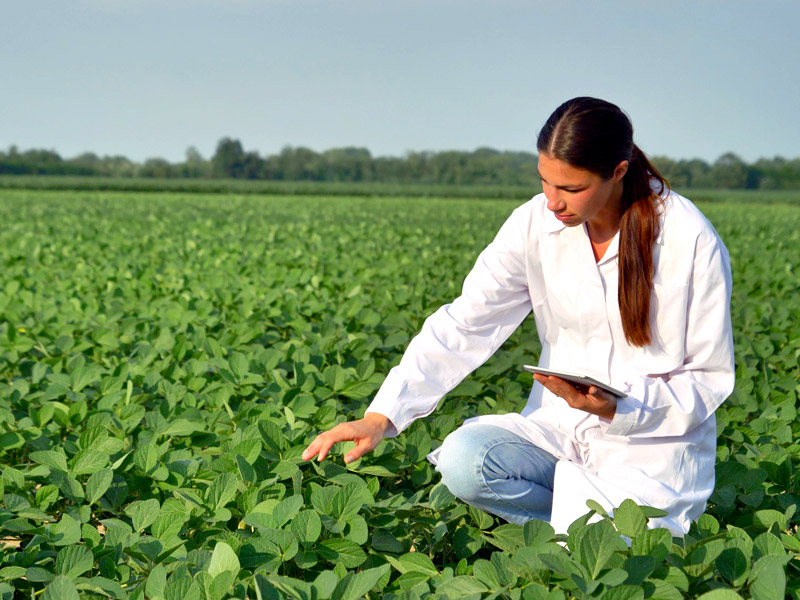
(459, 465)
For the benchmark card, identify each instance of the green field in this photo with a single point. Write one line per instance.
(350, 189)
(166, 357)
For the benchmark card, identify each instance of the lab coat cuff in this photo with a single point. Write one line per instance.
(387, 403)
(391, 430)
(629, 409)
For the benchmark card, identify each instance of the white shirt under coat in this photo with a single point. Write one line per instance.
(660, 447)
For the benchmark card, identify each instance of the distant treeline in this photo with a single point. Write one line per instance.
(484, 166)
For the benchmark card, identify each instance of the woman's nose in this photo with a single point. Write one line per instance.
(554, 201)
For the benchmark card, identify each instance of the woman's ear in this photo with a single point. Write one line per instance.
(619, 171)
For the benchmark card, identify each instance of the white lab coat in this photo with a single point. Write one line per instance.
(660, 447)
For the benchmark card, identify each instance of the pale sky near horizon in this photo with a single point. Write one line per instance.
(147, 78)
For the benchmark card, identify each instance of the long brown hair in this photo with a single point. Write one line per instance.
(595, 135)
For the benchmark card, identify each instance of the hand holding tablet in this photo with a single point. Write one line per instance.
(581, 380)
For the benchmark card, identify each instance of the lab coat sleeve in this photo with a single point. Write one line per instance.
(461, 336)
(677, 402)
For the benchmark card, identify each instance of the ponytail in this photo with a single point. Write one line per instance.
(642, 189)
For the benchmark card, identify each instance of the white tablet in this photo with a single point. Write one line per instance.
(575, 378)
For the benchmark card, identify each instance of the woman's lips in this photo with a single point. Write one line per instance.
(563, 217)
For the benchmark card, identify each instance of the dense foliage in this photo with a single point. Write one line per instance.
(483, 166)
(164, 360)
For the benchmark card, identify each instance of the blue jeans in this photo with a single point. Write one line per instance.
(499, 472)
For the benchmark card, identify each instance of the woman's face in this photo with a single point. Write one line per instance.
(577, 196)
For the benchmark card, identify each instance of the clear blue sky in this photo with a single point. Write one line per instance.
(147, 78)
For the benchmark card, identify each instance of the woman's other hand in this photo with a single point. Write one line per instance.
(590, 399)
(366, 433)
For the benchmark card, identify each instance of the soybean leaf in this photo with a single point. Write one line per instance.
(69, 485)
(384, 541)
(325, 584)
(143, 513)
(156, 582)
(307, 526)
(768, 577)
(460, 586)
(638, 568)
(286, 509)
(416, 562)
(66, 532)
(222, 490)
(98, 484)
(61, 588)
(338, 550)
(89, 461)
(223, 559)
(486, 573)
(74, 561)
(55, 459)
(356, 585)
(733, 565)
(629, 519)
(536, 532)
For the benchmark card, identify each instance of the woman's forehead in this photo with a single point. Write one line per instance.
(557, 172)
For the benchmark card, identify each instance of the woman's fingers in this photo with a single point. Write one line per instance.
(327, 444)
(560, 387)
(363, 445)
(593, 400)
(324, 442)
(366, 433)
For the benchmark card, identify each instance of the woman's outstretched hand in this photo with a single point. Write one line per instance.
(366, 433)
(590, 399)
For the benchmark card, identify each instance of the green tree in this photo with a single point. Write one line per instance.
(729, 171)
(228, 160)
(195, 165)
(156, 168)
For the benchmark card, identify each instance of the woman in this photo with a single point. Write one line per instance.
(629, 284)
